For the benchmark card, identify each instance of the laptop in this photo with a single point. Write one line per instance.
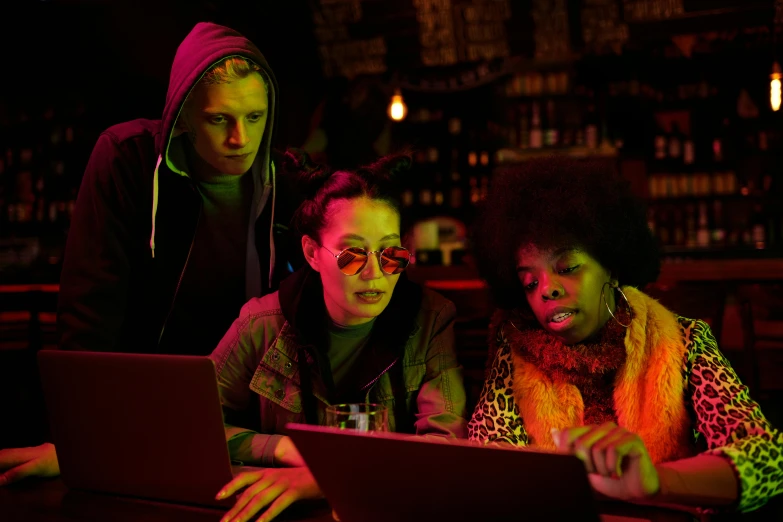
(387, 477)
(145, 426)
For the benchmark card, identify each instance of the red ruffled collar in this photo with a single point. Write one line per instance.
(591, 365)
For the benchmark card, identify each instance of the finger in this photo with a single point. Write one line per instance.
(575, 433)
(247, 496)
(18, 473)
(10, 458)
(277, 507)
(599, 451)
(629, 446)
(240, 481)
(607, 487)
(583, 445)
(564, 438)
(260, 501)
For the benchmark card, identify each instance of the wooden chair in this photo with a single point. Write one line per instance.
(27, 324)
(471, 328)
(761, 313)
(705, 301)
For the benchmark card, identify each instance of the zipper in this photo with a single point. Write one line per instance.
(369, 384)
(184, 267)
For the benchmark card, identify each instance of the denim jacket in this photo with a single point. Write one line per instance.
(409, 363)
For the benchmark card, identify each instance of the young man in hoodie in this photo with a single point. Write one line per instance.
(179, 221)
(175, 223)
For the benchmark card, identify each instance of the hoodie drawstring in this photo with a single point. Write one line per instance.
(155, 186)
(154, 204)
(272, 230)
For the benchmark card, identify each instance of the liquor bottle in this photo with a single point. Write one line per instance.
(691, 237)
(484, 174)
(425, 196)
(473, 176)
(675, 147)
(688, 152)
(455, 126)
(661, 146)
(483, 187)
(475, 191)
(484, 161)
(717, 151)
(536, 134)
(718, 224)
(25, 182)
(438, 190)
(703, 232)
(651, 223)
(758, 222)
(433, 155)
(579, 137)
(455, 193)
(406, 197)
(552, 134)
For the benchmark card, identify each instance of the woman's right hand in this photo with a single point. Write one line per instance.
(272, 488)
(20, 463)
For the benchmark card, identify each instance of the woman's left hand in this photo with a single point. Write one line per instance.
(277, 488)
(616, 460)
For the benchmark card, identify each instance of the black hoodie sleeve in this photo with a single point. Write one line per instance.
(95, 276)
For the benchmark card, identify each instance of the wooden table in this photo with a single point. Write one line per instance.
(51, 501)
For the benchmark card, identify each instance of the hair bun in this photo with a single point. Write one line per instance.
(309, 177)
(391, 167)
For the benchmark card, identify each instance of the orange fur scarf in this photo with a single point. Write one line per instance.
(649, 387)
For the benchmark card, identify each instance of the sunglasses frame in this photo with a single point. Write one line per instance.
(368, 254)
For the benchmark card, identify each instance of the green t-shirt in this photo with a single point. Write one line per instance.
(345, 346)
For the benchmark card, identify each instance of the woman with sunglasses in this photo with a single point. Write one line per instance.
(585, 362)
(346, 328)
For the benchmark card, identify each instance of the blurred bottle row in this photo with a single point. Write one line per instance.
(42, 159)
(715, 224)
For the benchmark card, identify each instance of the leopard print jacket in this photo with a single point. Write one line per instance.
(726, 421)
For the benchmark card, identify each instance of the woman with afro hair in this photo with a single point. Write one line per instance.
(584, 362)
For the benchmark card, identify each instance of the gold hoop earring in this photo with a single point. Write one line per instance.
(627, 304)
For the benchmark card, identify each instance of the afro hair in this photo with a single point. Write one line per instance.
(556, 202)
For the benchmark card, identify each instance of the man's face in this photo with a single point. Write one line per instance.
(225, 123)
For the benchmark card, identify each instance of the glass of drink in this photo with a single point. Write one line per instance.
(359, 417)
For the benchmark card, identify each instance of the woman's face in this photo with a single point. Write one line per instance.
(563, 288)
(365, 223)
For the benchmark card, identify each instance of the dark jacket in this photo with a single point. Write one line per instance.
(136, 216)
(273, 369)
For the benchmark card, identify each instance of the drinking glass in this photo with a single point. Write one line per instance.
(359, 417)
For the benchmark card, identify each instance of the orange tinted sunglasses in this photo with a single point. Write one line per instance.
(352, 260)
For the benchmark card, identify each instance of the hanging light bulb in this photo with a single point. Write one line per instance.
(397, 108)
(774, 87)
